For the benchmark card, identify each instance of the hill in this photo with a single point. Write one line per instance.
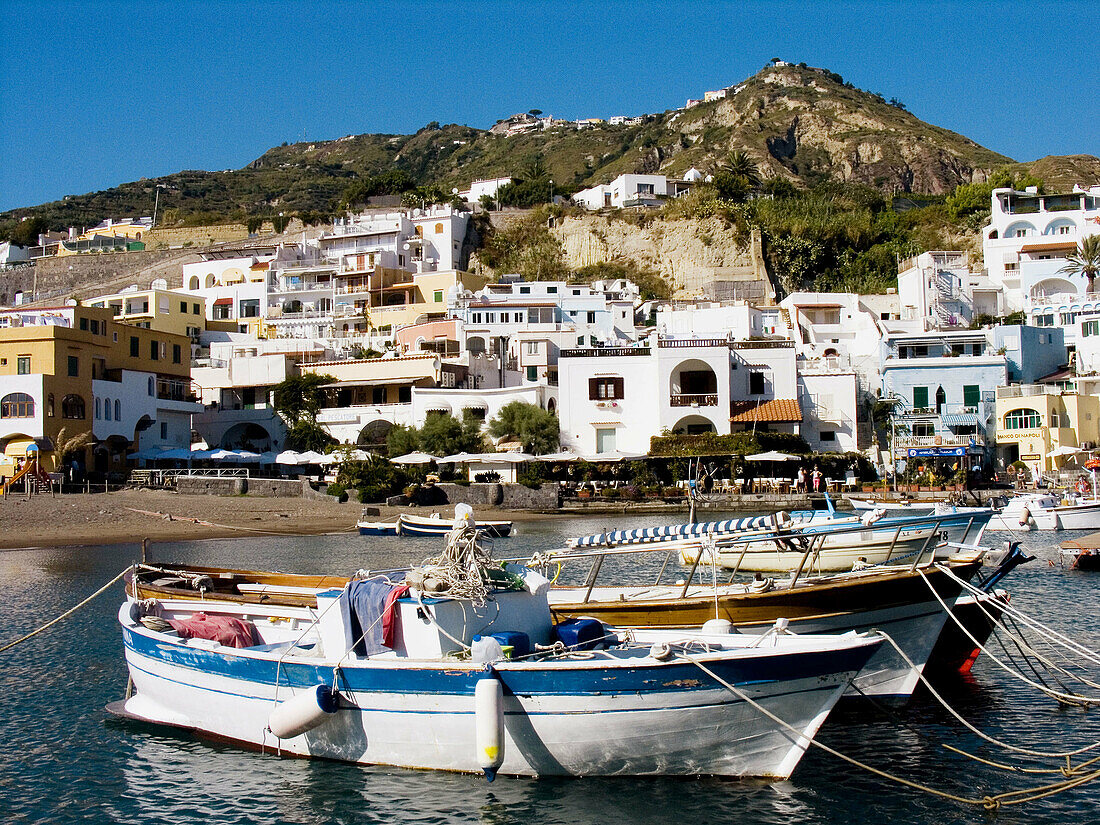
(797, 122)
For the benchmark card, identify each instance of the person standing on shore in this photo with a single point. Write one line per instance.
(801, 479)
(817, 480)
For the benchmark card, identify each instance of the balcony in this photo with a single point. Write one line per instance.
(693, 400)
(603, 352)
(1027, 390)
(308, 286)
(906, 441)
(169, 390)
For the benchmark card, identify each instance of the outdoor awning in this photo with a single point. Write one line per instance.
(367, 382)
(778, 409)
(1054, 246)
(960, 419)
(223, 302)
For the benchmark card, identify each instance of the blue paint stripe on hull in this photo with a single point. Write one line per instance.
(551, 680)
(733, 700)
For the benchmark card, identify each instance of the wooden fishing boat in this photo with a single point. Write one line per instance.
(324, 680)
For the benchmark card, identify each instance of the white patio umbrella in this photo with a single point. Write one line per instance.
(288, 457)
(223, 455)
(562, 456)
(458, 458)
(247, 456)
(310, 457)
(505, 458)
(771, 456)
(1064, 450)
(415, 457)
(177, 454)
(612, 457)
(331, 458)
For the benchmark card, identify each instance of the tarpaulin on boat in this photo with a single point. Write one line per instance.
(225, 630)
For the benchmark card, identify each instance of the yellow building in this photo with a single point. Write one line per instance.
(1035, 420)
(163, 310)
(392, 298)
(74, 368)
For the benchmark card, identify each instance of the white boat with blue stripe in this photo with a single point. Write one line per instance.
(480, 680)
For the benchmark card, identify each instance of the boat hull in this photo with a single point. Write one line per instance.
(377, 528)
(656, 718)
(901, 605)
(836, 554)
(419, 526)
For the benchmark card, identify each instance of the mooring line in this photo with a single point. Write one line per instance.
(1066, 641)
(67, 613)
(990, 802)
(1068, 698)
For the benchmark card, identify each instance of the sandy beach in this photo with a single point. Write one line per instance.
(158, 515)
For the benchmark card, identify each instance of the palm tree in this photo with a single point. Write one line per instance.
(66, 447)
(1085, 260)
(740, 165)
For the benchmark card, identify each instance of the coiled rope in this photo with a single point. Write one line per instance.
(990, 802)
(67, 613)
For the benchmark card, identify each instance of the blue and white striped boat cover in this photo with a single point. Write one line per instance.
(673, 531)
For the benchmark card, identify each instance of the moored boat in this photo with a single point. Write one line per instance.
(407, 524)
(1046, 511)
(327, 679)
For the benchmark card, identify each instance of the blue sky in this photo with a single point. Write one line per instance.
(95, 94)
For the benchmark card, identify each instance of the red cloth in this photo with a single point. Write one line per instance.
(389, 611)
(222, 629)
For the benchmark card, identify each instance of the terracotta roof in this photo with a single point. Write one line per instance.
(778, 409)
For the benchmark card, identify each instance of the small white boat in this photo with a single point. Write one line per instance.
(407, 524)
(1046, 511)
(326, 681)
(436, 525)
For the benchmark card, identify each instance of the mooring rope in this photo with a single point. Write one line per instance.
(990, 802)
(1026, 751)
(1068, 698)
(67, 613)
(1066, 641)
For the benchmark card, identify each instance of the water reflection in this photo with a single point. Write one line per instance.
(63, 762)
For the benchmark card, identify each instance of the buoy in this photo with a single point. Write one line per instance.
(489, 716)
(304, 712)
(718, 626)
(1025, 517)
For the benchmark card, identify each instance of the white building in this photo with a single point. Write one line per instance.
(234, 283)
(631, 190)
(939, 290)
(1027, 239)
(619, 398)
(479, 188)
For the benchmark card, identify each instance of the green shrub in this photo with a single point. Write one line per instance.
(490, 476)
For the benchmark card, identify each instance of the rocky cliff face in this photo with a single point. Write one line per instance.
(692, 255)
(805, 125)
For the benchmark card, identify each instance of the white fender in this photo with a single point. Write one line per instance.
(1025, 517)
(304, 712)
(489, 717)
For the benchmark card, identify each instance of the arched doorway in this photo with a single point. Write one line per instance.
(941, 399)
(374, 434)
(694, 425)
(247, 436)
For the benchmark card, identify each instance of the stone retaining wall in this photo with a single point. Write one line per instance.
(261, 487)
(482, 496)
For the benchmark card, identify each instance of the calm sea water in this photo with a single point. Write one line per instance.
(64, 760)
